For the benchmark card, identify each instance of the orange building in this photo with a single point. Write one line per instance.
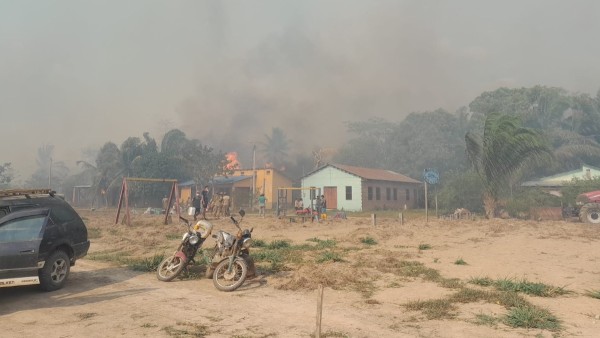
(266, 181)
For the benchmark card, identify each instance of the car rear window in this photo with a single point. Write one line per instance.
(62, 214)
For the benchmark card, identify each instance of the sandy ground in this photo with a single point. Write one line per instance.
(104, 299)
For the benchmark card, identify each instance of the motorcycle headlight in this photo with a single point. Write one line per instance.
(246, 243)
(194, 239)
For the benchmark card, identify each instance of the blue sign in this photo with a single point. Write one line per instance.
(431, 176)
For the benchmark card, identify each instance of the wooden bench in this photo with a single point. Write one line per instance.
(304, 215)
(293, 218)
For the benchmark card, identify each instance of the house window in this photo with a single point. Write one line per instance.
(348, 193)
(407, 195)
(370, 193)
(388, 194)
(268, 172)
(395, 194)
(313, 193)
(377, 193)
(241, 173)
(415, 193)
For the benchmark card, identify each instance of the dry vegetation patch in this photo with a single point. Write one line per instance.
(338, 276)
(372, 261)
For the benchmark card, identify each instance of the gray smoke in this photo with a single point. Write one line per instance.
(78, 74)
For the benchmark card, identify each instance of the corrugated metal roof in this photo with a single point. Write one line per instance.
(561, 179)
(187, 183)
(370, 173)
(228, 179)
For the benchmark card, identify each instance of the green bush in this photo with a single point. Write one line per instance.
(578, 186)
(368, 241)
(329, 256)
(148, 264)
(278, 244)
(528, 198)
(461, 190)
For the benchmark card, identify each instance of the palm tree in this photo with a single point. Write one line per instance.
(48, 171)
(504, 148)
(275, 147)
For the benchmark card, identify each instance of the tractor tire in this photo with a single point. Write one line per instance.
(590, 213)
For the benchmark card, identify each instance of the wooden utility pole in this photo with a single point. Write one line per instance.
(426, 214)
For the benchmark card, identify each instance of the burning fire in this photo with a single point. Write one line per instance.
(232, 161)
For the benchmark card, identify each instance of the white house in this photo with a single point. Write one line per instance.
(357, 189)
(586, 172)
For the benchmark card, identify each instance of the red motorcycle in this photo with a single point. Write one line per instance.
(191, 242)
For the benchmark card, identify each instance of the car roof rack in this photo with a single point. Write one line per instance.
(25, 192)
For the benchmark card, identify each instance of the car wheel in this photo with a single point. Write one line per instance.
(55, 271)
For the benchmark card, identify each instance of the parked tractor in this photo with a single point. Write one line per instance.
(587, 208)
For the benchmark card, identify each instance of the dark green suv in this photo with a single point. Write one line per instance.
(41, 237)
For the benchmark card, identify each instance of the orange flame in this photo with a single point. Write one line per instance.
(232, 161)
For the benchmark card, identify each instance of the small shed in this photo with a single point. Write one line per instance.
(238, 187)
(359, 189)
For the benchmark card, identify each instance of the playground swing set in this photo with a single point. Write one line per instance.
(124, 198)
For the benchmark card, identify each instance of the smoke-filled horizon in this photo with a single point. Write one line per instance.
(79, 74)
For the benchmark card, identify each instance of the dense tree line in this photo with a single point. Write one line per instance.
(178, 158)
(483, 152)
(513, 134)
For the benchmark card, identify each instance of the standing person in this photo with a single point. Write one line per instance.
(196, 203)
(318, 206)
(226, 204)
(165, 203)
(218, 205)
(323, 207)
(262, 202)
(204, 201)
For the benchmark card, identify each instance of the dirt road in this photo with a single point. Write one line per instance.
(102, 299)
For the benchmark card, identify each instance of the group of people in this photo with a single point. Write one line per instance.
(219, 205)
(320, 207)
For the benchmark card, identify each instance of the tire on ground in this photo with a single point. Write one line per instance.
(590, 213)
(55, 271)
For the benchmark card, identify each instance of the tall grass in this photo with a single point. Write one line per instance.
(522, 286)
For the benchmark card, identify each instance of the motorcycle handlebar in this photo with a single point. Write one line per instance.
(235, 221)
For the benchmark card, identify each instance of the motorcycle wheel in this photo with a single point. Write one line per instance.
(229, 281)
(170, 268)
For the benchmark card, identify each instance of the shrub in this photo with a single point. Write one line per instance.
(531, 317)
(368, 241)
(329, 256)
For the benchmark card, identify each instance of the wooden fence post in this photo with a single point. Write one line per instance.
(374, 219)
(319, 310)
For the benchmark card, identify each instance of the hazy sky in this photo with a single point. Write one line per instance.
(77, 74)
